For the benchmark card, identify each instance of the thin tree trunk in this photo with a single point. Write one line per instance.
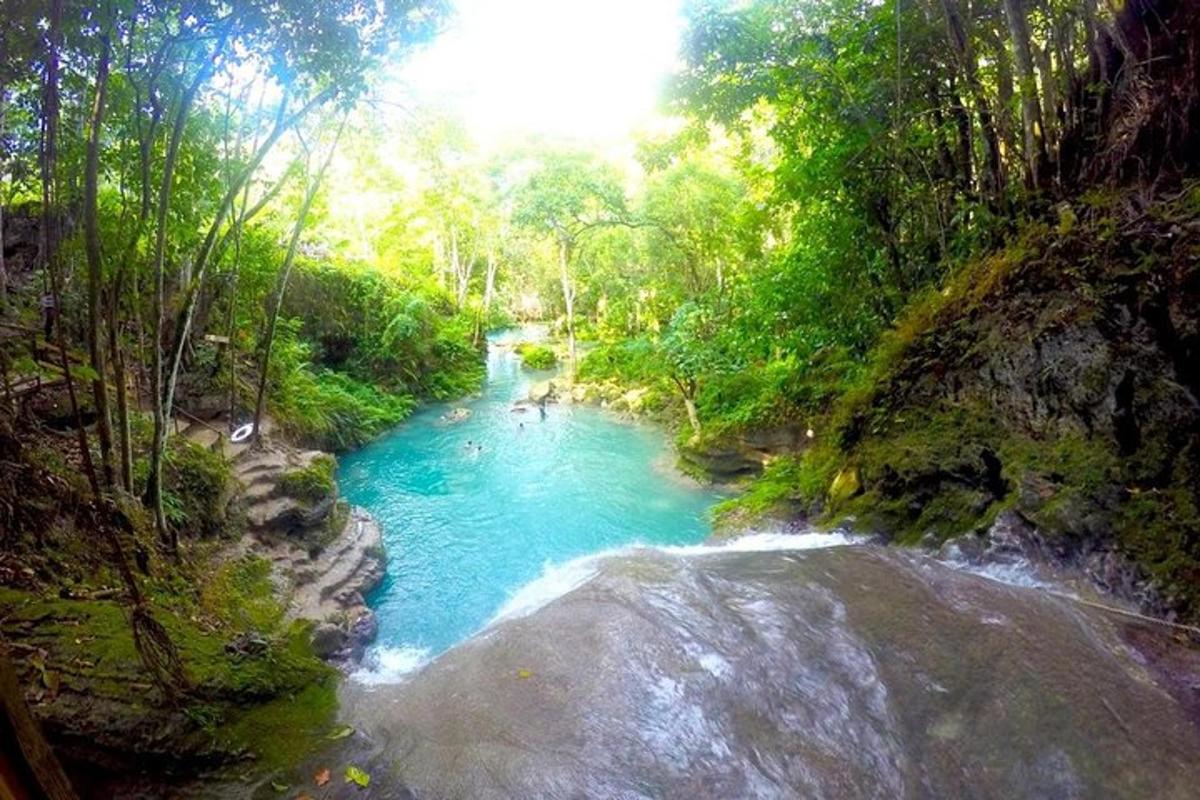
(3, 265)
(1031, 111)
(568, 291)
(50, 229)
(489, 284)
(1050, 105)
(1005, 92)
(687, 390)
(962, 126)
(281, 288)
(120, 381)
(966, 57)
(95, 265)
(183, 324)
(153, 496)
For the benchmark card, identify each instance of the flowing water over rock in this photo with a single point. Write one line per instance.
(753, 672)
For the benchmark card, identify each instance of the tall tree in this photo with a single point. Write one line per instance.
(566, 197)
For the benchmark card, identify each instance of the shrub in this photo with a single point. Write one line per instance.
(312, 483)
(196, 488)
(536, 356)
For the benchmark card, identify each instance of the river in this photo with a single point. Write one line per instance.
(473, 510)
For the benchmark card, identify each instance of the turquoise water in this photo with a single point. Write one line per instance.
(467, 525)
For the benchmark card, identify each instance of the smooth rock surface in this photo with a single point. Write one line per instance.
(850, 672)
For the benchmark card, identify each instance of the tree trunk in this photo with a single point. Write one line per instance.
(3, 265)
(1031, 112)
(693, 417)
(29, 761)
(489, 284)
(1005, 91)
(1050, 106)
(965, 150)
(49, 158)
(284, 273)
(439, 260)
(95, 265)
(153, 496)
(568, 291)
(120, 385)
(961, 44)
(687, 390)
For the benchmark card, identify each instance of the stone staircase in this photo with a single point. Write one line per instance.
(324, 556)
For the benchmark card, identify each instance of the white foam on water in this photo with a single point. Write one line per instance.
(390, 664)
(557, 580)
(767, 542)
(1014, 571)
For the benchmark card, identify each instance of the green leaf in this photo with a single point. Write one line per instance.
(357, 776)
(340, 733)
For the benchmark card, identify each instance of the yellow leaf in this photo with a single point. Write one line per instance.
(524, 673)
(356, 775)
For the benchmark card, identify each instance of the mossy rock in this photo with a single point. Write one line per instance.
(313, 483)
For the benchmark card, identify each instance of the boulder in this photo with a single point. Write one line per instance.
(328, 639)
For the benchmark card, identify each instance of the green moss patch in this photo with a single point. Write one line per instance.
(312, 483)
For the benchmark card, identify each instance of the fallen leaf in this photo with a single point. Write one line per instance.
(279, 787)
(524, 673)
(356, 775)
(340, 733)
(303, 796)
(322, 777)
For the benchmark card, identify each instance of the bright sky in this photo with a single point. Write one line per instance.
(578, 69)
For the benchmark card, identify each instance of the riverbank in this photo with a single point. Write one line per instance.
(229, 657)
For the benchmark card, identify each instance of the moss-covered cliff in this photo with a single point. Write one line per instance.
(1057, 378)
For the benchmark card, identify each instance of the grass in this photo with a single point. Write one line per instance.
(312, 483)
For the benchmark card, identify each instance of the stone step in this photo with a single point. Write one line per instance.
(258, 490)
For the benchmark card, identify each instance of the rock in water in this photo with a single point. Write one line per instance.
(851, 672)
(541, 392)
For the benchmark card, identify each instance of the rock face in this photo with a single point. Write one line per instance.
(542, 391)
(325, 556)
(743, 455)
(1061, 380)
(268, 509)
(851, 672)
